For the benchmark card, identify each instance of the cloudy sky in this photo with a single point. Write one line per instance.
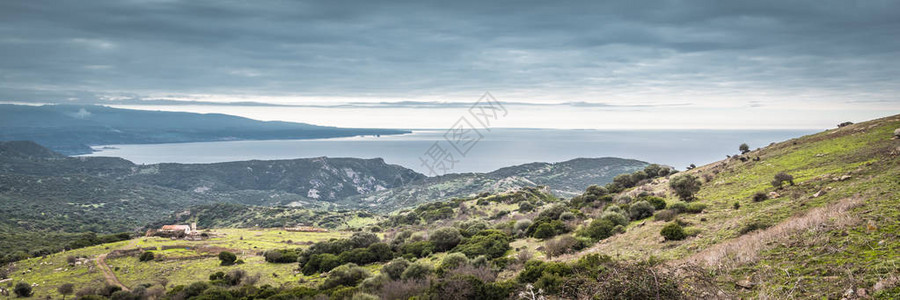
(414, 64)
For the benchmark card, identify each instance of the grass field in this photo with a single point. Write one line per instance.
(181, 265)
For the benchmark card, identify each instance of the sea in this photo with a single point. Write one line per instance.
(437, 152)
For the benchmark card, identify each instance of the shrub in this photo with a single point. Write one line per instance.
(695, 208)
(598, 229)
(753, 226)
(418, 249)
(522, 225)
(685, 186)
(22, 290)
(452, 261)
(395, 268)
(665, 215)
(490, 243)
(146, 256)
(445, 238)
(673, 232)
(363, 239)
(759, 197)
(281, 256)
(416, 271)
(346, 275)
(227, 258)
(657, 202)
(615, 218)
(744, 148)
(567, 216)
(544, 230)
(320, 263)
(553, 212)
(679, 207)
(641, 210)
(559, 245)
(737, 205)
(780, 178)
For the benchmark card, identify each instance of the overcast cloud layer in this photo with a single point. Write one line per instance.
(788, 55)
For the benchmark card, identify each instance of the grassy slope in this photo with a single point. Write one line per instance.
(53, 271)
(801, 263)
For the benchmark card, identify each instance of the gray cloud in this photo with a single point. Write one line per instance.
(590, 52)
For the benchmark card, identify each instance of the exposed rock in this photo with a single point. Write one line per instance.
(819, 194)
(746, 283)
(773, 195)
(897, 133)
(861, 293)
(845, 177)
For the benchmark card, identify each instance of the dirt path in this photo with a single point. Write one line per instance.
(108, 273)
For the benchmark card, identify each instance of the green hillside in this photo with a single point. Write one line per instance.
(827, 229)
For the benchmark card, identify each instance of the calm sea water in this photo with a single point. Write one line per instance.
(498, 148)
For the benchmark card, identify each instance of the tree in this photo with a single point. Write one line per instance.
(780, 178)
(227, 258)
(452, 261)
(445, 238)
(744, 148)
(66, 289)
(544, 230)
(598, 229)
(22, 290)
(685, 186)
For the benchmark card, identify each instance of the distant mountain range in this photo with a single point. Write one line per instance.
(72, 129)
(43, 190)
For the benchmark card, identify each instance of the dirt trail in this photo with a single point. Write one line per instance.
(108, 273)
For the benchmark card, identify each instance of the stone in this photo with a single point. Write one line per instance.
(845, 177)
(747, 284)
(819, 194)
(773, 195)
(897, 133)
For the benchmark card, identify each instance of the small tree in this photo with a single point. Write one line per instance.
(744, 148)
(227, 258)
(685, 186)
(22, 290)
(66, 289)
(673, 232)
(394, 269)
(780, 178)
(418, 270)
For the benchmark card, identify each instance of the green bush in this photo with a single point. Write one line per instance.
(657, 202)
(417, 270)
(673, 232)
(695, 208)
(679, 207)
(544, 230)
(22, 290)
(641, 210)
(146, 256)
(490, 243)
(615, 218)
(227, 258)
(665, 215)
(445, 238)
(598, 229)
(394, 269)
(759, 197)
(453, 261)
(347, 275)
(418, 249)
(281, 256)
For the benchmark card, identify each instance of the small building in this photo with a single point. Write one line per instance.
(178, 231)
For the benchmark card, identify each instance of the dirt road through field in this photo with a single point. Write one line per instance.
(108, 273)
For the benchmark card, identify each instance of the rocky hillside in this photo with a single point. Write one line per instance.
(564, 179)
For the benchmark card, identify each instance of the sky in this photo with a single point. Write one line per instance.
(419, 64)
